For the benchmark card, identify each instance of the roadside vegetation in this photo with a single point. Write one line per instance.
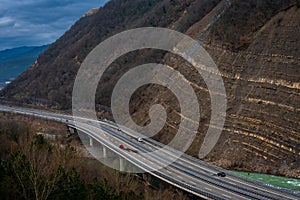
(32, 167)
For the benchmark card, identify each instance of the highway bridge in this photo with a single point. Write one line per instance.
(187, 173)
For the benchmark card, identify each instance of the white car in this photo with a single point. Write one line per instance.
(141, 139)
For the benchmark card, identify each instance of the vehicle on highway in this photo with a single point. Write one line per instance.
(221, 174)
(128, 149)
(141, 139)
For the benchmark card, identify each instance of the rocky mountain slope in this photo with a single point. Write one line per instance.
(255, 45)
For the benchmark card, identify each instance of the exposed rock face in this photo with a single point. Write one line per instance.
(91, 12)
(255, 45)
(262, 85)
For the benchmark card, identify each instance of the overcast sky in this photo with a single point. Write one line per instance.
(39, 22)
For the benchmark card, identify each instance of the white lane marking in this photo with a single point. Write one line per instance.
(233, 183)
(226, 196)
(193, 183)
(189, 166)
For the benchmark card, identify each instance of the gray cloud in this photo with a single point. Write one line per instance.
(39, 22)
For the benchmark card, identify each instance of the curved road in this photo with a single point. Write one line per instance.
(187, 173)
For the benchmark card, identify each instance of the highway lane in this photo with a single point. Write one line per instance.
(184, 174)
(259, 190)
(187, 172)
(209, 175)
(195, 165)
(198, 165)
(169, 174)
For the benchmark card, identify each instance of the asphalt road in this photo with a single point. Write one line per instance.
(187, 173)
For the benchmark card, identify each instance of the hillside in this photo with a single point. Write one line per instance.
(255, 45)
(15, 61)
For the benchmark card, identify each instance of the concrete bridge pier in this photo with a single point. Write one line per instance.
(122, 164)
(104, 152)
(91, 141)
(71, 130)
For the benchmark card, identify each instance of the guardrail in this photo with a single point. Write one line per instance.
(190, 188)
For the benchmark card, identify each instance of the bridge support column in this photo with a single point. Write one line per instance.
(104, 151)
(122, 164)
(91, 141)
(71, 130)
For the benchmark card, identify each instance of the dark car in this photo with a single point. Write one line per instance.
(221, 174)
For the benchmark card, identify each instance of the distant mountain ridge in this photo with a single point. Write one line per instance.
(15, 61)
